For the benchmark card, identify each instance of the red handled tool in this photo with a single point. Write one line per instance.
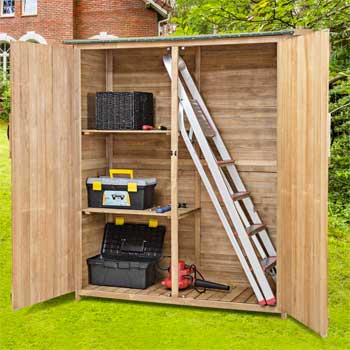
(188, 277)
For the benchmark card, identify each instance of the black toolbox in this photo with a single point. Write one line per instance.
(123, 110)
(129, 256)
(121, 193)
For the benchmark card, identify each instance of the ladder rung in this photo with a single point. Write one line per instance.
(254, 229)
(240, 195)
(220, 163)
(268, 262)
(225, 162)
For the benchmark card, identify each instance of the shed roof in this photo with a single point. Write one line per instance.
(180, 38)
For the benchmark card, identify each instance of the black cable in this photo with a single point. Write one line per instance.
(194, 268)
(163, 268)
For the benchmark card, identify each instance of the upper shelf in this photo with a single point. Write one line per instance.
(150, 132)
(182, 212)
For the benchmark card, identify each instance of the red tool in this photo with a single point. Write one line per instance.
(188, 277)
(147, 127)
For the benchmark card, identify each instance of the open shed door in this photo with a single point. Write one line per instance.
(303, 176)
(45, 146)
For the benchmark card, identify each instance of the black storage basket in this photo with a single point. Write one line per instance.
(123, 110)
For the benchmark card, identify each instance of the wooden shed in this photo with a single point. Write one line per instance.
(267, 93)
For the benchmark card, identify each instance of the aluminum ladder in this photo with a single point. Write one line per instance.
(247, 233)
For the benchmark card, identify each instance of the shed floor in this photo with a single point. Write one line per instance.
(240, 297)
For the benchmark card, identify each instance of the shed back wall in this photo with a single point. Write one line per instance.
(239, 86)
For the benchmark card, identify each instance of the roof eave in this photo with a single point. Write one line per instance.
(161, 11)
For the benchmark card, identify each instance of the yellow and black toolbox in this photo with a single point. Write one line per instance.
(121, 192)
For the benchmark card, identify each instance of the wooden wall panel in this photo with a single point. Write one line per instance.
(93, 79)
(46, 160)
(243, 105)
(302, 178)
(94, 161)
(149, 156)
(239, 86)
(143, 70)
(92, 236)
(93, 164)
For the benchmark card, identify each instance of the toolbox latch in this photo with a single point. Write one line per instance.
(97, 186)
(132, 187)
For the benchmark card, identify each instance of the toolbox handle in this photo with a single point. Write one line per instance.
(129, 172)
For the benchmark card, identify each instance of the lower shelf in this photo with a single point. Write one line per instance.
(240, 297)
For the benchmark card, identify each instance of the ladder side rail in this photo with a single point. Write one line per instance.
(192, 87)
(235, 218)
(218, 208)
(225, 155)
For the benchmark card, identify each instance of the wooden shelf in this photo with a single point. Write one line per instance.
(241, 297)
(108, 132)
(183, 212)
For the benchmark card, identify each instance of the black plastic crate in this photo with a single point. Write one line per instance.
(123, 110)
(129, 256)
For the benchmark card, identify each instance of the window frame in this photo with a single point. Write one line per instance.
(5, 59)
(2, 14)
(24, 14)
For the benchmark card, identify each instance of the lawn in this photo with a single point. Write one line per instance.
(64, 323)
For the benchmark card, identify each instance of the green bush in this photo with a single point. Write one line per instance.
(5, 100)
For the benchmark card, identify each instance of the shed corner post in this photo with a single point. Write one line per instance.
(77, 118)
(174, 172)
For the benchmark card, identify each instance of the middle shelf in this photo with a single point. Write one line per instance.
(182, 212)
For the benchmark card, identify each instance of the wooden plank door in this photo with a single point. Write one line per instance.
(302, 178)
(45, 139)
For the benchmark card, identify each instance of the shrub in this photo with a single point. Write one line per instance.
(5, 100)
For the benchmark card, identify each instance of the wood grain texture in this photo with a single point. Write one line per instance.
(93, 79)
(244, 106)
(186, 43)
(240, 297)
(239, 85)
(77, 117)
(302, 178)
(241, 73)
(46, 159)
(174, 172)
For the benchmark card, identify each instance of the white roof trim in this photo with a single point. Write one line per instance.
(6, 38)
(104, 36)
(33, 36)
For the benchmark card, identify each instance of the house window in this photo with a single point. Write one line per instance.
(4, 59)
(7, 8)
(29, 7)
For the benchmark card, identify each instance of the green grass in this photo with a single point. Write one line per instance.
(64, 323)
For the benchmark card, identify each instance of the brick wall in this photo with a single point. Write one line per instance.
(124, 18)
(54, 21)
(59, 20)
